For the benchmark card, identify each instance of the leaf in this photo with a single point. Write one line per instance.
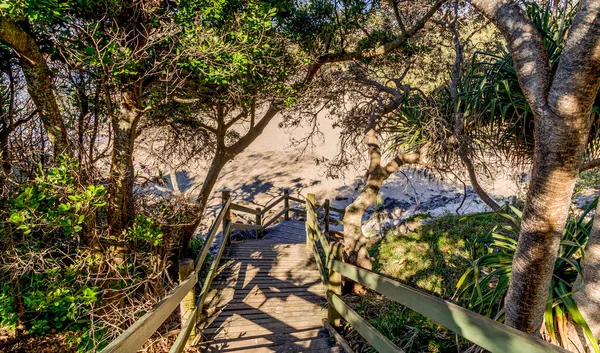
(572, 308)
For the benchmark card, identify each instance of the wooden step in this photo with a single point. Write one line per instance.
(273, 326)
(265, 345)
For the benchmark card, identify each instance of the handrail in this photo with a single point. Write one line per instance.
(292, 198)
(274, 218)
(370, 333)
(192, 318)
(211, 236)
(273, 203)
(483, 331)
(236, 207)
(133, 338)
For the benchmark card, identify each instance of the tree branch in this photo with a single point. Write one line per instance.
(529, 55)
(377, 51)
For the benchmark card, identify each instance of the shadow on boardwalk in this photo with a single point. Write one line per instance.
(268, 297)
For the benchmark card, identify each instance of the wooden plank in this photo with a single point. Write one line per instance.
(297, 210)
(370, 333)
(277, 216)
(481, 330)
(211, 236)
(137, 334)
(273, 204)
(236, 207)
(324, 242)
(247, 226)
(211, 273)
(338, 210)
(338, 338)
(296, 199)
(320, 266)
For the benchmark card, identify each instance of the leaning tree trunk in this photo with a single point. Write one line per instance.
(39, 83)
(354, 239)
(483, 195)
(588, 297)
(121, 178)
(218, 162)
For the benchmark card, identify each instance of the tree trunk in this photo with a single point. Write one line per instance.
(562, 106)
(218, 162)
(555, 168)
(462, 153)
(588, 298)
(39, 83)
(354, 239)
(5, 155)
(121, 178)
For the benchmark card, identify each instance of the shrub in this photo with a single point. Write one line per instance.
(483, 286)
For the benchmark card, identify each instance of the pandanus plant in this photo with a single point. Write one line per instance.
(483, 287)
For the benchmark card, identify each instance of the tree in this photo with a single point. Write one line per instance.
(562, 105)
(38, 76)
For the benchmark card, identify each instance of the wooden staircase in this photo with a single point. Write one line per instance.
(268, 297)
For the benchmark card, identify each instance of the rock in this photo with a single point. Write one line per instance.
(241, 234)
(391, 213)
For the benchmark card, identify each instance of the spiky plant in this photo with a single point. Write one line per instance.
(483, 287)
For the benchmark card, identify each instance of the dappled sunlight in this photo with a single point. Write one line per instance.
(270, 295)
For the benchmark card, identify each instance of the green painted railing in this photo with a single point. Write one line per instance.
(483, 331)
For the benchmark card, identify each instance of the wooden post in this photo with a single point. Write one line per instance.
(326, 227)
(310, 219)
(259, 232)
(188, 304)
(225, 195)
(334, 284)
(286, 204)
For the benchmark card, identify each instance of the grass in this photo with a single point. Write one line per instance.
(431, 258)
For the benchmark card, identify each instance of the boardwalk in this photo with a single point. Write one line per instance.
(269, 297)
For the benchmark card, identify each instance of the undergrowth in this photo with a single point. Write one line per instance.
(431, 258)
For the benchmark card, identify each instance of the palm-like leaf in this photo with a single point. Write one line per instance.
(483, 287)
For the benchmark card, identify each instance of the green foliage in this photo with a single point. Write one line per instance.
(8, 316)
(587, 179)
(54, 203)
(431, 258)
(196, 245)
(147, 230)
(403, 326)
(483, 286)
(57, 306)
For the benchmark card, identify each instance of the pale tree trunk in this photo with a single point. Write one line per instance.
(562, 112)
(121, 177)
(39, 83)
(588, 297)
(354, 240)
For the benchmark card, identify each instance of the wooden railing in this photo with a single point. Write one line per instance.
(483, 331)
(133, 338)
